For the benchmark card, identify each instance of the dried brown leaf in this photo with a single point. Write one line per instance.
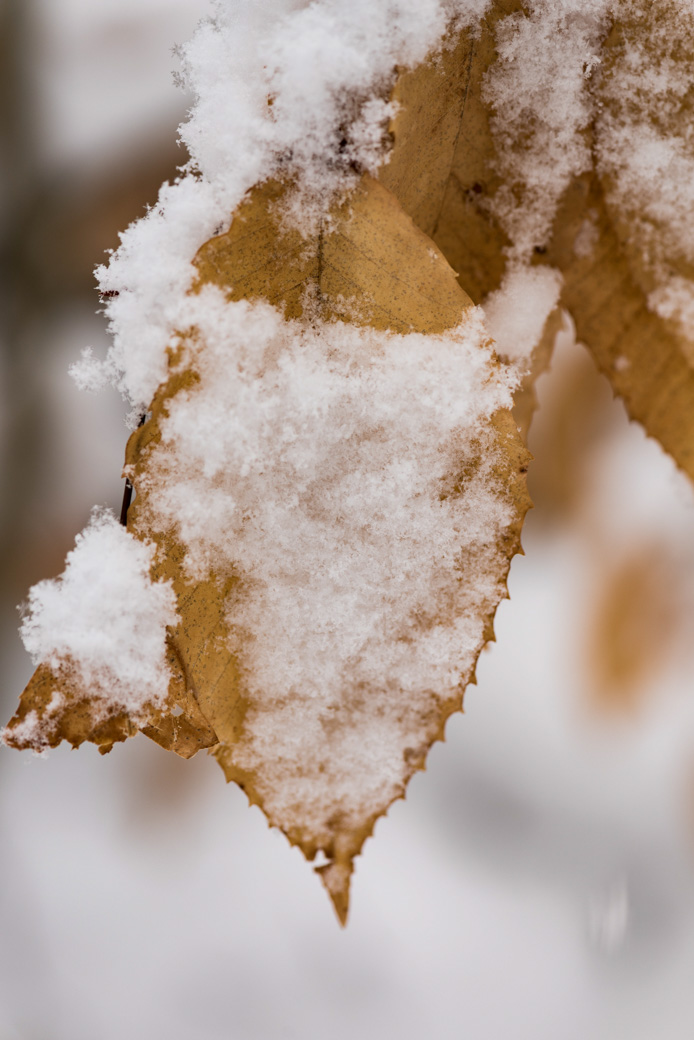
(370, 265)
(375, 268)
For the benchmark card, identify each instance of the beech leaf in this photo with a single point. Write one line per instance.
(323, 764)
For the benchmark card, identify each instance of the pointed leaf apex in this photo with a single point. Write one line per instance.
(336, 877)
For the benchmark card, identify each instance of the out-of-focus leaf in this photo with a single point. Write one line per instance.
(607, 281)
(632, 346)
(632, 628)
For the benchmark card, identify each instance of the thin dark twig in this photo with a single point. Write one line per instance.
(128, 490)
(127, 498)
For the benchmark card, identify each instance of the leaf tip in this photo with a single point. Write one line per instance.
(336, 877)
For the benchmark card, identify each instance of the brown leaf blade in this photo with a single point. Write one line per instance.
(374, 267)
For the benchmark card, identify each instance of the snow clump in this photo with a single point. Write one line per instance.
(105, 618)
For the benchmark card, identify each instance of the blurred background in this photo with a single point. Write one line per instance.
(539, 880)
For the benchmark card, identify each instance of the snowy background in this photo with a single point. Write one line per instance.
(539, 880)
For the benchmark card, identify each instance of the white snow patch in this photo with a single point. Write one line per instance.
(517, 311)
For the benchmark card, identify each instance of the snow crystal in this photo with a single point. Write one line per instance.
(516, 313)
(346, 476)
(91, 374)
(105, 618)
